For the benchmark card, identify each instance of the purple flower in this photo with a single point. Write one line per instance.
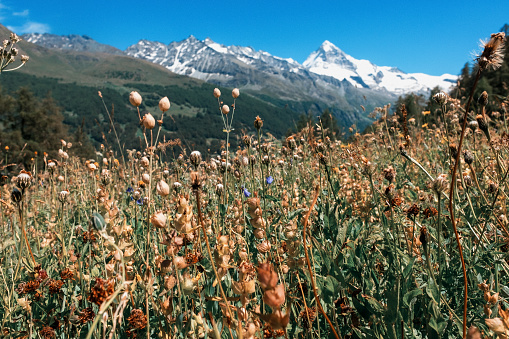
(270, 179)
(130, 190)
(246, 193)
(139, 201)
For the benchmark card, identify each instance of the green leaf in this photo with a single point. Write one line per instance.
(432, 291)
(272, 198)
(409, 296)
(438, 327)
(222, 209)
(408, 268)
(98, 221)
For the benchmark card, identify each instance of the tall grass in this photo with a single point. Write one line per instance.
(401, 232)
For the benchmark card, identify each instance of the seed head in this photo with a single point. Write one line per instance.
(217, 92)
(16, 195)
(483, 125)
(225, 109)
(483, 99)
(195, 158)
(24, 179)
(148, 121)
(164, 104)
(24, 58)
(389, 174)
(473, 125)
(258, 123)
(135, 98)
(439, 185)
(158, 219)
(235, 93)
(493, 52)
(62, 196)
(440, 98)
(468, 157)
(162, 188)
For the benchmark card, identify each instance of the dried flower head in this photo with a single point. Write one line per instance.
(440, 98)
(135, 98)
(47, 332)
(217, 92)
(24, 180)
(101, 291)
(137, 320)
(235, 93)
(483, 99)
(493, 52)
(86, 315)
(267, 276)
(164, 104)
(225, 109)
(195, 158)
(148, 121)
(258, 123)
(439, 185)
(389, 174)
(162, 188)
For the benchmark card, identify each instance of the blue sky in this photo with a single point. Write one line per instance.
(433, 37)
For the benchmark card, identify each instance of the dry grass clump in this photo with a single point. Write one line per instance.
(305, 238)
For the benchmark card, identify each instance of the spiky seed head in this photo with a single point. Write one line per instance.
(493, 52)
(440, 98)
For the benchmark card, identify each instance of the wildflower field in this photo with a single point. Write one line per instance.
(400, 232)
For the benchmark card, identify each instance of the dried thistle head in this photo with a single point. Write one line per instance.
(493, 52)
(439, 185)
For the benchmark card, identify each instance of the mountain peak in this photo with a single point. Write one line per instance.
(328, 46)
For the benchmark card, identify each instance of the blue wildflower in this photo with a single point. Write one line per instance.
(139, 201)
(270, 179)
(130, 190)
(246, 193)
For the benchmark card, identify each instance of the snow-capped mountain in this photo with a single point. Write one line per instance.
(210, 61)
(329, 78)
(332, 61)
(72, 42)
(244, 67)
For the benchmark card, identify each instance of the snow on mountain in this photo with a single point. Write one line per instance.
(331, 61)
(73, 42)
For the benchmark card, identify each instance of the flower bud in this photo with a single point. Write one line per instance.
(158, 219)
(16, 195)
(217, 92)
(145, 162)
(483, 99)
(62, 196)
(258, 123)
(146, 178)
(162, 188)
(225, 109)
(235, 93)
(148, 121)
(195, 158)
(164, 104)
(135, 98)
